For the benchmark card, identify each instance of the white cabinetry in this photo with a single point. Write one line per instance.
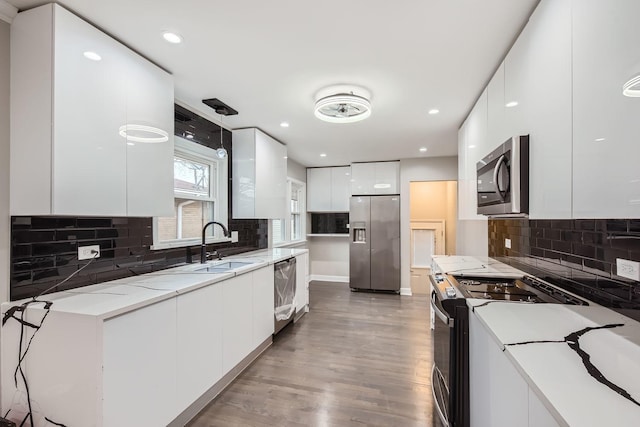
(606, 181)
(199, 343)
(328, 189)
(263, 302)
(259, 175)
(472, 145)
(494, 379)
(302, 282)
(67, 154)
(538, 77)
(375, 178)
(496, 129)
(140, 358)
(237, 320)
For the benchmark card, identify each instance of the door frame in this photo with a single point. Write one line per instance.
(439, 228)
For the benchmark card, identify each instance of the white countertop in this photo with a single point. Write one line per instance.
(474, 266)
(120, 296)
(556, 372)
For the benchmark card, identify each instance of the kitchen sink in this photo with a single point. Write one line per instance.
(223, 267)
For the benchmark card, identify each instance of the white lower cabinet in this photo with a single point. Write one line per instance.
(139, 367)
(263, 303)
(302, 282)
(237, 320)
(498, 395)
(199, 343)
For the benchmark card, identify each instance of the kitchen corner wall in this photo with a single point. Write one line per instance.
(4, 161)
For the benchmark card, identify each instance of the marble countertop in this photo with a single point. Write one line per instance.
(474, 266)
(120, 296)
(583, 362)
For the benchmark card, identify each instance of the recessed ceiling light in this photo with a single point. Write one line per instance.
(323, 155)
(511, 104)
(172, 37)
(434, 111)
(423, 149)
(284, 124)
(92, 56)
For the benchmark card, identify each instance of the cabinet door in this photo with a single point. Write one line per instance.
(319, 189)
(271, 177)
(606, 182)
(475, 148)
(89, 156)
(302, 287)
(547, 82)
(539, 415)
(496, 131)
(199, 343)
(387, 175)
(149, 164)
(139, 372)
(263, 305)
(362, 178)
(237, 320)
(340, 188)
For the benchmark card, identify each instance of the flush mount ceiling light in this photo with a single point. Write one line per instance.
(434, 111)
(342, 104)
(143, 133)
(632, 87)
(172, 37)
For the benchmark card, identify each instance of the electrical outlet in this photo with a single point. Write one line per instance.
(88, 252)
(507, 243)
(234, 237)
(628, 269)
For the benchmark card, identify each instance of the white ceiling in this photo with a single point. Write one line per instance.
(268, 59)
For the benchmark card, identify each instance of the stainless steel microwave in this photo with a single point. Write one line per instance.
(503, 179)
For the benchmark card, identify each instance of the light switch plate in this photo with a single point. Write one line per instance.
(507, 243)
(628, 269)
(234, 237)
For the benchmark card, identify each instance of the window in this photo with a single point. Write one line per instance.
(200, 196)
(292, 228)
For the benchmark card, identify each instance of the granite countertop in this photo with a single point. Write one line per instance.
(110, 299)
(583, 362)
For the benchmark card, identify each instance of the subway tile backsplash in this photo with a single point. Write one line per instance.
(579, 255)
(44, 250)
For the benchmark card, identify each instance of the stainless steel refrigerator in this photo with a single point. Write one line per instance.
(374, 253)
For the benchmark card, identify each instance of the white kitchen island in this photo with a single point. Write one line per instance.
(147, 350)
(548, 364)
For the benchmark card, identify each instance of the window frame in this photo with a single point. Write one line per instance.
(302, 211)
(218, 193)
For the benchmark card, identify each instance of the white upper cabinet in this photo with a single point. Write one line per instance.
(68, 156)
(538, 77)
(606, 135)
(259, 175)
(328, 189)
(496, 126)
(375, 178)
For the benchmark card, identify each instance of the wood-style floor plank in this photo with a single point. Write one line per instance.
(356, 359)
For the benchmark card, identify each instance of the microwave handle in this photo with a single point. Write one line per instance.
(496, 172)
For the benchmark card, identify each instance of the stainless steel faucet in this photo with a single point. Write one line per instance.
(203, 247)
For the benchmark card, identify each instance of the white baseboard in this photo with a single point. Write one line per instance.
(323, 278)
(406, 292)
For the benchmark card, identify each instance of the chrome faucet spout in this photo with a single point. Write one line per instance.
(203, 246)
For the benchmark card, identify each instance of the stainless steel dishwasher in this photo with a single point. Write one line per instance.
(284, 290)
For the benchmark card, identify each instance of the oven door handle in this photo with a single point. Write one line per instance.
(496, 174)
(441, 315)
(434, 380)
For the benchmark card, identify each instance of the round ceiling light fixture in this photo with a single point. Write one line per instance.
(343, 104)
(632, 87)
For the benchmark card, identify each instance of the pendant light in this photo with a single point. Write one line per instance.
(221, 152)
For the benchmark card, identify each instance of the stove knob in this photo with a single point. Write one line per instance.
(451, 292)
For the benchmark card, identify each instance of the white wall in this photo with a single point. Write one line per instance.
(4, 162)
(296, 171)
(472, 238)
(329, 258)
(422, 169)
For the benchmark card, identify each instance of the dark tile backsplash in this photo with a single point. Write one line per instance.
(44, 248)
(579, 255)
(330, 223)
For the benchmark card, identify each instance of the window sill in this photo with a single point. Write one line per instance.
(290, 244)
(187, 242)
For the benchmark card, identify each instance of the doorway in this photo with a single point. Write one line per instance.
(433, 215)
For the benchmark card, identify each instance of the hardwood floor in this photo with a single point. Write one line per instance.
(355, 359)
